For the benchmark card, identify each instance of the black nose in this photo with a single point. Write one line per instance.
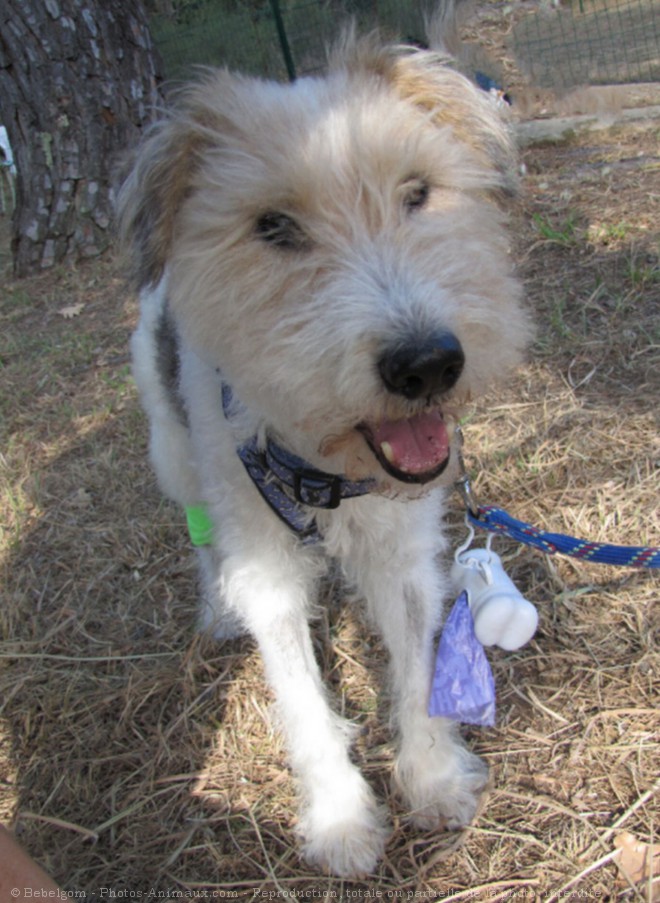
(423, 369)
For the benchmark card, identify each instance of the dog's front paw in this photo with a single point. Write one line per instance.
(442, 785)
(344, 837)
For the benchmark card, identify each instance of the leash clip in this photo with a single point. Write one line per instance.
(462, 484)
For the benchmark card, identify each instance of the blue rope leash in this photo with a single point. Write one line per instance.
(496, 520)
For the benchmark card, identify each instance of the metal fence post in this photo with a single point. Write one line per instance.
(284, 43)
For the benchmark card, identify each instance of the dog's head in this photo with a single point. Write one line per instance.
(336, 247)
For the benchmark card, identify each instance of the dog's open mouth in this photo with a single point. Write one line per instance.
(413, 450)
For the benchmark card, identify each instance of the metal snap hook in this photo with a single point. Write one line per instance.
(463, 484)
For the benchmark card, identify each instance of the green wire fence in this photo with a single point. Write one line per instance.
(556, 45)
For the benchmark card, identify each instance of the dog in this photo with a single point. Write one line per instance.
(325, 283)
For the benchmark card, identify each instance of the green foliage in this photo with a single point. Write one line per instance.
(565, 234)
(244, 39)
(241, 34)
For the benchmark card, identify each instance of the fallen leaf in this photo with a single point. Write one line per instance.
(71, 311)
(639, 862)
(82, 498)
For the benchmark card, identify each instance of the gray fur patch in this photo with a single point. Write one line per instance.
(168, 362)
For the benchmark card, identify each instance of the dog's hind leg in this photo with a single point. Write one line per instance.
(398, 573)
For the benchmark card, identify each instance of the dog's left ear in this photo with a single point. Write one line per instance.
(428, 80)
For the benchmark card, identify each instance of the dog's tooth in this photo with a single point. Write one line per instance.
(387, 451)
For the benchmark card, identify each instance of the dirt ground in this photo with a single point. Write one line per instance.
(138, 759)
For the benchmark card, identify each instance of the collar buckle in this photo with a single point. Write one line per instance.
(316, 489)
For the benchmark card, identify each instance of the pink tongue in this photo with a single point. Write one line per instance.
(417, 445)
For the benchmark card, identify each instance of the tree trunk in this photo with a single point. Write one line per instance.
(78, 81)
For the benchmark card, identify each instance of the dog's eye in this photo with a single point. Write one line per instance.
(281, 230)
(416, 194)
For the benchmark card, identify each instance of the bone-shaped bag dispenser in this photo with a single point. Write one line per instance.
(502, 616)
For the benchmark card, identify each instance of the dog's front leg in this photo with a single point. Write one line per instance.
(342, 827)
(396, 567)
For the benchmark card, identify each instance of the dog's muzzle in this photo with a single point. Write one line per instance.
(416, 449)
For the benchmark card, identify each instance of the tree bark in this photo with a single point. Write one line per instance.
(79, 80)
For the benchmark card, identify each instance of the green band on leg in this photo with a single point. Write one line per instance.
(200, 525)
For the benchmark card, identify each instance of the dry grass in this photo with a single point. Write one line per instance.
(136, 757)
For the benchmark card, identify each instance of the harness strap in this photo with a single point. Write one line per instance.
(496, 520)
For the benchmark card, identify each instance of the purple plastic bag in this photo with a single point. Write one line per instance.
(463, 688)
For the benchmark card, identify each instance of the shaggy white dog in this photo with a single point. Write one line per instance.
(325, 282)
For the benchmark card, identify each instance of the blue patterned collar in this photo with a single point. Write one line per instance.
(289, 485)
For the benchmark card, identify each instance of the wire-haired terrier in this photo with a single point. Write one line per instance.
(325, 282)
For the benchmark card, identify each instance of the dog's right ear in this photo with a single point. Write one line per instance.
(159, 175)
(154, 185)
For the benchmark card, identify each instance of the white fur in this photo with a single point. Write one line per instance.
(297, 334)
